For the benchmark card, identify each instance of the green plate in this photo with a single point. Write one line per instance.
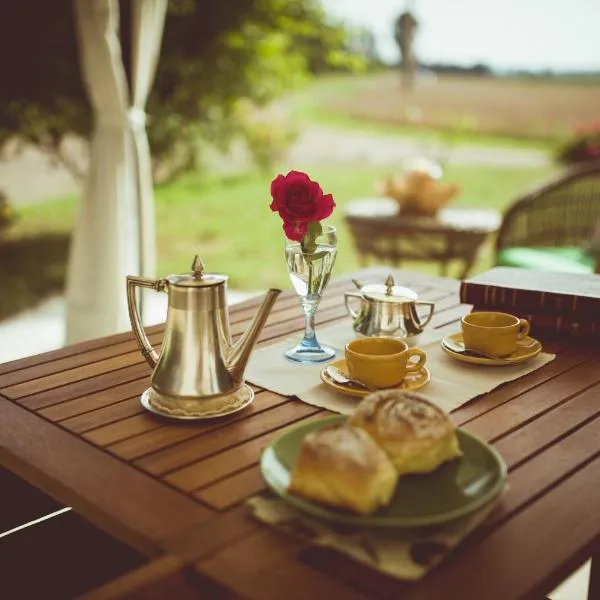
(455, 489)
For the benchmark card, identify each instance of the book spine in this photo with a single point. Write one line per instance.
(535, 302)
(546, 326)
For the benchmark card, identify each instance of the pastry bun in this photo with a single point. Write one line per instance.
(416, 434)
(343, 467)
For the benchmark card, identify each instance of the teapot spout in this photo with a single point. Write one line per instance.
(241, 350)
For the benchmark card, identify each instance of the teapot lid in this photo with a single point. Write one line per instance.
(388, 292)
(197, 278)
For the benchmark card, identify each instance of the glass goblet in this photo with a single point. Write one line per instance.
(310, 273)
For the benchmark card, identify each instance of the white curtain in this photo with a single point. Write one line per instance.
(115, 230)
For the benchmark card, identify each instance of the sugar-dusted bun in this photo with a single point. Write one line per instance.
(343, 467)
(417, 435)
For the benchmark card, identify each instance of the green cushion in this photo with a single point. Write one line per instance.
(567, 258)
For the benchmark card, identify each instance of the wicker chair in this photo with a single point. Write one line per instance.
(555, 227)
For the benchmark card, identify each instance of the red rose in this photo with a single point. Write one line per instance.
(299, 201)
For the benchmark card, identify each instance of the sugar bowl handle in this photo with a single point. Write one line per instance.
(431, 310)
(159, 285)
(347, 296)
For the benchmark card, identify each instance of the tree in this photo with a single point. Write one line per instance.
(218, 59)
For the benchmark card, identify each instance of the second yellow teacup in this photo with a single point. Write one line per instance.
(494, 333)
(381, 362)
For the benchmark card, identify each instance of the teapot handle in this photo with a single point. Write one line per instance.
(431, 310)
(347, 296)
(148, 352)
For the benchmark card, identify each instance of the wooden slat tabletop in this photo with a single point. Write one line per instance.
(72, 425)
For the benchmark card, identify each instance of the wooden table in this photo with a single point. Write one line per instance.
(383, 234)
(71, 424)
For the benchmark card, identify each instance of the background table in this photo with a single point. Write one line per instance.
(382, 234)
(71, 424)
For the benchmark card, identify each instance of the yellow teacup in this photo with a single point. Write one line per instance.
(494, 333)
(381, 362)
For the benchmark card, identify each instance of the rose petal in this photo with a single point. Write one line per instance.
(292, 199)
(315, 190)
(276, 192)
(324, 208)
(294, 231)
(276, 185)
(299, 203)
(298, 176)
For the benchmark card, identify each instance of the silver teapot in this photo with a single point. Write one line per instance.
(199, 372)
(387, 310)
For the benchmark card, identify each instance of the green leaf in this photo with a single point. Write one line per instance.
(309, 241)
(308, 244)
(314, 229)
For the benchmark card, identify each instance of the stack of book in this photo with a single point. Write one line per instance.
(555, 304)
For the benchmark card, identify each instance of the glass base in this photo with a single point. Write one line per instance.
(310, 354)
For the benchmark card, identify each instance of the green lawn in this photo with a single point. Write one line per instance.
(230, 225)
(228, 222)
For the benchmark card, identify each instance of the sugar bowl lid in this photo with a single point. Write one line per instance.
(197, 277)
(388, 292)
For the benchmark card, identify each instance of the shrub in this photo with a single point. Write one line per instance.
(584, 147)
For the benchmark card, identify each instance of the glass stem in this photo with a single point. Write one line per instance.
(309, 305)
(310, 337)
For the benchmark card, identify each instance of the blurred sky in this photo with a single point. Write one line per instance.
(505, 34)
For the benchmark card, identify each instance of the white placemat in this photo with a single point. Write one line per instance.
(452, 384)
(270, 369)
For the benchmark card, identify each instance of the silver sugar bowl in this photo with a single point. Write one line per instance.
(387, 310)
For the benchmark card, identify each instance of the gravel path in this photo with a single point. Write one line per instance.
(32, 177)
(321, 144)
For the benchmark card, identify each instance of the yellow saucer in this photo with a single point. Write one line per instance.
(527, 348)
(412, 381)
